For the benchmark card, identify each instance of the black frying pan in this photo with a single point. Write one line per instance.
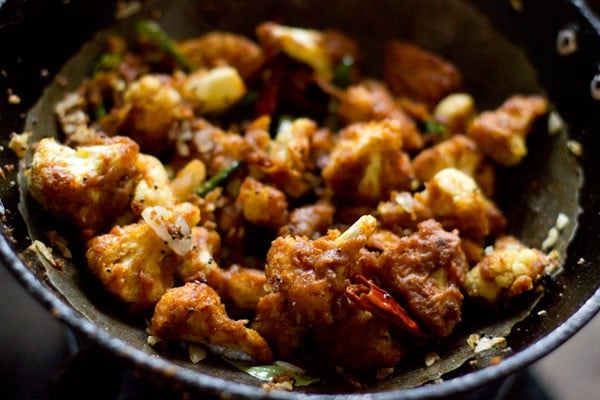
(501, 47)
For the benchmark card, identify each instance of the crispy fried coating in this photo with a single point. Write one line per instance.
(455, 199)
(418, 74)
(359, 342)
(219, 48)
(311, 221)
(501, 133)
(89, 186)
(458, 152)
(215, 147)
(508, 271)
(240, 288)
(153, 107)
(133, 262)
(194, 312)
(262, 204)
(286, 159)
(426, 270)
(368, 163)
(371, 100)
(153, 186)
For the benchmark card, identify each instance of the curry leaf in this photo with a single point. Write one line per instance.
(156, 35)
(218, 178)
(275, 372)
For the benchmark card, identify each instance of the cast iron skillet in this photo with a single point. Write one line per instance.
(557, 48)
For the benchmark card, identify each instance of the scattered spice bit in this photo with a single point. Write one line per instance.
(60, 243)
(14, 99)
(431, 358)
(486, 343)
(472, 340)
(575, 147)
(41, 249)
(438, 380)
(541, 313)
(555, 123)
(196, 353)
(152, 340)
(44, 73)
(581, 261)
(495, 360)
(551, 239)
(473, 363)
(126, 9)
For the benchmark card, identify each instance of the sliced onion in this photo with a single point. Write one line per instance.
(158, 218)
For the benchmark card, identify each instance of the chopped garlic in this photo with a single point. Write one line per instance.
(18, 143)
(196, 353)
(561, 221)
(551, 239)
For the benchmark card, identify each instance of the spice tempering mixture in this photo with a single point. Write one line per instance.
(264, 196)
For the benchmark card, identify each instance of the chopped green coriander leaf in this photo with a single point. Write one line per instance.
(434, 127)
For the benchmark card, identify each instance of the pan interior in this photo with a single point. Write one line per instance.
(532, 195)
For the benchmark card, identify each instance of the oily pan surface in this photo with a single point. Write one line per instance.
(492, 70)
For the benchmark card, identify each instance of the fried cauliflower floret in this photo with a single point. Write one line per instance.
(305, 45)
(136, 262)
(311, 274)
(262, 204)
(216, 148)
(371, 100)
(311, 221)
(370, 338)
(240, 288)
(216, 49)
(510, 270)
(88, 186)
(426, 270)
(455, 112)
(306, 282)
(368, 163)
(501, 134)
(213, 90)
(194, 312)
(418, 74)
(458, 152)
(454, 198)
(153, 186)
(286, 159)
(153, 109)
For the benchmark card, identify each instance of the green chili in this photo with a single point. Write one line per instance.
(218, 178)
(156, 35)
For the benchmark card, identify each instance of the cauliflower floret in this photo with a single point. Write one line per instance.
(425, 269)
(89, 186)
(305, 45)
(286, 160)
(153, 109)
(223, 48)
(455, 112)
(368, 163)
(371, 100)
(152, 188)
(311, 221)
(214, 90)
(456, 200)
(508, 271)
(418, 74)
(458, 152)
(194, 312)
(137, 262)
(501, 133)
(262, 204)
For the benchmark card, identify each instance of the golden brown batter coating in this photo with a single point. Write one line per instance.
(368, 163)
(510, 270)
(458, 152)
(194, 312)
(311, 221)
(371, 100)
(426, 271)
(501, 133)
(134, 263)
(89, 186)
(416, 73)
(262, 204)
(223, 48)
